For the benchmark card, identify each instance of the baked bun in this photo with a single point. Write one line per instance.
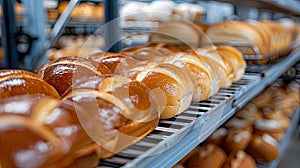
(237, 140)
(249, 113)
(116, 62)
(54, 54)
(43, 132)
(184, 160)
(237, 31)
(181, 34)
(126, 110)
(173, 81)
(239, 159)
(263, 148)
(236, 59)
(20, 82)
(271, 113)
(198, 71)
(69, 70)
(269, 126)
(209, 155)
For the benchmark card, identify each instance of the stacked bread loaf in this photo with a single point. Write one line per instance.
(268, 36)
(253, 134)
(79, 110)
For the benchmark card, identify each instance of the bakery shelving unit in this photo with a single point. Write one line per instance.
(34, 22)
(174, 138)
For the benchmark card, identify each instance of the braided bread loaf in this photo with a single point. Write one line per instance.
(39, 131)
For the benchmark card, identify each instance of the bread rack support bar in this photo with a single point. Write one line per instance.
(34, 24)
(112, 27)
(61, 22)
(8, 34)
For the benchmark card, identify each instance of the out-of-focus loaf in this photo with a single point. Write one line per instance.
(15, 82)
(239, 159)
(209, 155)
(39, 131)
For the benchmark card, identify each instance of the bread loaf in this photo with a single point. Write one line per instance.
(15, 82)
(39, 131)
(173, 81)
(238, 31)
(62, 72)
(263, 148)
(116, 62)
(239, 159)
(120, 111)
(209, 155)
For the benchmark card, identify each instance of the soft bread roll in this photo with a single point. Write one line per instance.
(20, 82)
(116, 62)
(238, 124)
(69, 70)
(173, 81)
(209, 155)
(198, 71)
(263, 148)
(181, 34)
(217, 63)
(237, 31)
(269, 126)
(239, 159)
(249, 113)
(53, 54)
(236, 59)
(237, 140)
(40, 131)
(126, 110)
(271, 113)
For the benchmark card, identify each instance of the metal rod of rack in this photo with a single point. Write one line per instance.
(9, 42)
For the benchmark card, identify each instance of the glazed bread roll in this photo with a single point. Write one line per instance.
(235, 59)
(42, 131)
(209, 155)
(69, 70)
(198, 71)
(217, 63)
(239, 159)
(116, 62)
(120, 111)
(263, 148)
(238, 31)
(21, 82)
(173, 81)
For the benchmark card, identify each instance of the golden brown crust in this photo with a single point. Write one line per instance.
(239, 159)
(62, 72)
(127, 111)
(263, 148)
(48, 128)
(209, 155)
(20, 82)
(236, 31)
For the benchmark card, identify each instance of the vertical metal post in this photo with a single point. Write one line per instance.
(11, 58)
(112, 29)
(34, 24)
